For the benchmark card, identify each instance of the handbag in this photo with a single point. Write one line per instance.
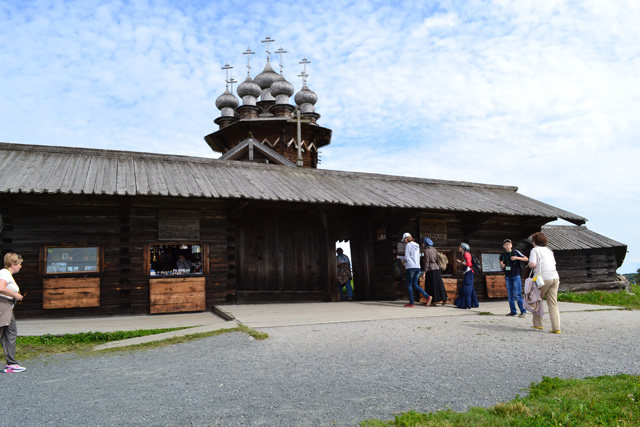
(538, 279)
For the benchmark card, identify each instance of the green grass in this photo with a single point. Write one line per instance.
(28, 347)
(601, 401)
(629, 300)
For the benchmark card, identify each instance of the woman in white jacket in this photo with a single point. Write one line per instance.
(543, 264)
(411, 261)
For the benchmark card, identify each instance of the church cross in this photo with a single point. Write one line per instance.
(268, 40)
(248, 53)
(304, 74)
(280, 52)
(227, 67)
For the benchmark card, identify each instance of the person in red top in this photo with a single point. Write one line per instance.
(467, 295)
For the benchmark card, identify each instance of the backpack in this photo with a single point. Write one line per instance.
(442, 261)
(475, 263)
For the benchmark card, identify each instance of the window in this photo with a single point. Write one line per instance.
(72, 260)
(175, 259)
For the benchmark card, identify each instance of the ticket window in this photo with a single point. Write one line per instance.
(175, 259)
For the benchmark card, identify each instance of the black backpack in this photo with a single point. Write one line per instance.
(475, 263)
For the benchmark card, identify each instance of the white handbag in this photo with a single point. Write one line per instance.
(538, 278)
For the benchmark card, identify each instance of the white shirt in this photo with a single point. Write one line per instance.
(11, 284)
(411, 256)
(545, 262)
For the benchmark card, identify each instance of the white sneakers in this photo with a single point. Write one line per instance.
(9, 369)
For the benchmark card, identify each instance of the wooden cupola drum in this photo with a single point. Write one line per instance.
(286, 131)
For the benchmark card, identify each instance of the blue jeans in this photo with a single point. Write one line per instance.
(347, 285)
(514, 293)
(413, 274)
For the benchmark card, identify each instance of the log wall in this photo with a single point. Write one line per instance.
(122, 227)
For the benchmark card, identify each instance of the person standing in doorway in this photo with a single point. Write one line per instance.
(344, 274)
(510, 263)
(467, 297)
(9, 295)
(411, 261)
(543, 264)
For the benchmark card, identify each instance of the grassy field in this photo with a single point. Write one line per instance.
(601, 401)
(629, 300)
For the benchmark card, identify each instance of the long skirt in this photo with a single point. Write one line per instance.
(467, 296)
(435, 286)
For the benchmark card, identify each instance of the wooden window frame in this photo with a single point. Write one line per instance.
(43, 257)
(204, 251)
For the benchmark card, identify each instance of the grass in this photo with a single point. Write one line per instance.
(601, 401)
(629, 300)
(28, 347)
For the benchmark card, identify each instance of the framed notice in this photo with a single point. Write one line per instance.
(178, 225)
(491, 263)
(435, 229)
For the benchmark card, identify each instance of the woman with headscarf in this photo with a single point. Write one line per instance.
(467, 295)
(433, 277)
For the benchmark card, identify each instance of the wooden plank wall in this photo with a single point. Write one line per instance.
(485, 235)
(283, 254)
(67, 292)
(496, 286)
(582, 270)
(174, 295)
(121, 226)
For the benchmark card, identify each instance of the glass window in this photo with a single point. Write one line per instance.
(72, 260)
(175, 259)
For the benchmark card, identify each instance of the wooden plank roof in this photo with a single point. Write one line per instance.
(572, 237)
(53, 169)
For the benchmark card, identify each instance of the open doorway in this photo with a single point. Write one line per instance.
(346, 288)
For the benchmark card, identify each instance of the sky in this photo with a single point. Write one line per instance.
(542, 95)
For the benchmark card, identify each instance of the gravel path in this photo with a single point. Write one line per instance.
(322, 375)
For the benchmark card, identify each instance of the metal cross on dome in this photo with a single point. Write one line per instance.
(232, 81)
(268, 40)
(227, 67)
(304, 74)
(248, 53)
(280, 52)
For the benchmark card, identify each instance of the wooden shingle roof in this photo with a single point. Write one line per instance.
(571, 237)
(52, 169)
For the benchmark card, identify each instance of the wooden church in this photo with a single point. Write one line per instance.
(113, 232)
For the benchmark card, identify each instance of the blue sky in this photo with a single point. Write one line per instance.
(541, 95)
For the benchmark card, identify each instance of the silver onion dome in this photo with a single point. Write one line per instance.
(248, 91)
(281, 89)
(306, 99)
(226, 103)
(265, 79)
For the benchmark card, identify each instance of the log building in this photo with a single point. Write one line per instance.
(114, 232)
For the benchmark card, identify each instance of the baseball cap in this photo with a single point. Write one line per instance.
(507, 240)
(405, 235)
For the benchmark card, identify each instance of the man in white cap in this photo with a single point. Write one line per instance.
(411, 261)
